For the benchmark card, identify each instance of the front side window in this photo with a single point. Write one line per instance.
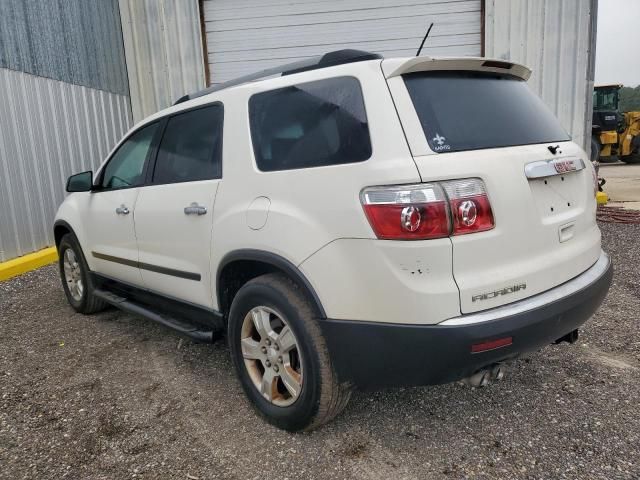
(126, 167)
(191, 147)
(473, 110)
(313, 124)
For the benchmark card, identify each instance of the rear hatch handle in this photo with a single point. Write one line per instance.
(555, 166)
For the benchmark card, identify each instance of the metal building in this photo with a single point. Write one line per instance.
(75, 75)
(64, 101)
(244, 36)
(556, 39)
(66, 73)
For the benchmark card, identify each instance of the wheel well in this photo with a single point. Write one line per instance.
(60, 231)
(235, 273)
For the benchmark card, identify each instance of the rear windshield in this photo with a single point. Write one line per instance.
(469, 110)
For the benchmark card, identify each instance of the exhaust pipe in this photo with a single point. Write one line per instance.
(484, 377)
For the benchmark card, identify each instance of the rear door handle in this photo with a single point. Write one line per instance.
(195, 209)
(122, 210)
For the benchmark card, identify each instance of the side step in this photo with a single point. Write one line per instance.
(191, 331)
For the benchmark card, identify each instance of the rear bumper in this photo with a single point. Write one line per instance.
(374, 355)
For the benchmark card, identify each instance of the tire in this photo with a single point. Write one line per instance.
(321, 397)
(81, 299)
(609, 159)
(635, 152)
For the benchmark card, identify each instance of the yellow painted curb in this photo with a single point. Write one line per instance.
(26, 263)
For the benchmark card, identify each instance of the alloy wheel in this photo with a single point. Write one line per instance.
(73, 275)
(272, 356)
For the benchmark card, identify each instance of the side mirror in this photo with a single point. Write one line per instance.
(80, 182)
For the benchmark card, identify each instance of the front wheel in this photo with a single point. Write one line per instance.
(74, 273)
(281, 357)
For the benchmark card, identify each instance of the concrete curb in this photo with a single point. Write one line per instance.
(26, 263)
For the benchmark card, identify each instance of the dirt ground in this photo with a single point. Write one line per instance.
(114, 396)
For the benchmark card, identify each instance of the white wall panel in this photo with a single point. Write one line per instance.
(244, 36)
(48, 130)
(556, 39)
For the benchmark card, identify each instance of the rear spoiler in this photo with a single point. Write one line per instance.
(399, 66)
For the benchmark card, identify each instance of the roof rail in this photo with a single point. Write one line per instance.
(338, 57)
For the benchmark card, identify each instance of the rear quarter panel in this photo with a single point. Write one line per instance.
(309, 208)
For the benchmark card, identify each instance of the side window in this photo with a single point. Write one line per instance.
(312, 124)
(191, 147)
(126, 167)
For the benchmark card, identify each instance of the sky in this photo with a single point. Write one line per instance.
(618, 42)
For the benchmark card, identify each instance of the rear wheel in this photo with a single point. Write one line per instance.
(281, 357)
(76, 281)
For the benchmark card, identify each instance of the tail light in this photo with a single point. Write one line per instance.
(407, 212)
(428, 210)
(470, 207)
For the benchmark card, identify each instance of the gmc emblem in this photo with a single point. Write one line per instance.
(497, 293)
(564, 166)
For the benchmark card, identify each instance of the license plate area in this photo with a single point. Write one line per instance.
(557, 196)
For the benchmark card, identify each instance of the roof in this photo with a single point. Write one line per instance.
(391, 67)
(338, 57)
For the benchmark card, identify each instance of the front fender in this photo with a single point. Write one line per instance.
(69, 216)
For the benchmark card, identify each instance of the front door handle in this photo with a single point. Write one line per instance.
(195, 209)
(122, 210)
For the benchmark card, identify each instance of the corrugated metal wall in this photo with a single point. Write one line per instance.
(245, 36)
(48, 130)
(557, 41)
(76, 41)
(163, 46)
(63, 106)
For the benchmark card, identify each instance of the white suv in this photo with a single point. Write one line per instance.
(348, 221)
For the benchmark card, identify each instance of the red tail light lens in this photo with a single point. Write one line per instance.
(425, 211)
(407, 212)
(470, 207)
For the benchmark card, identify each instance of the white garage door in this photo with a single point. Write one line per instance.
(244, 36)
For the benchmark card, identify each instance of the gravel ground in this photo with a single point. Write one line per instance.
(114, 396)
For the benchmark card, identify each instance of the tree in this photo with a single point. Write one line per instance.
(629, 99)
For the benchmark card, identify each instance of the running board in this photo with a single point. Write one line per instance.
(191, 331)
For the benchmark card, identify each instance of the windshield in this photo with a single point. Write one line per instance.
(470, 110)
(605, 99)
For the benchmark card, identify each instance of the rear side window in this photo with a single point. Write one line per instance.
(468, 110)
(191, 147)
(312, 124)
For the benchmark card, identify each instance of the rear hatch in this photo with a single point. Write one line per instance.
(487, 124)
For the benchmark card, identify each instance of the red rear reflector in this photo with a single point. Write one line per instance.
(491, 345)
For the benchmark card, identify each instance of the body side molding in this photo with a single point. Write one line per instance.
(147, 266)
